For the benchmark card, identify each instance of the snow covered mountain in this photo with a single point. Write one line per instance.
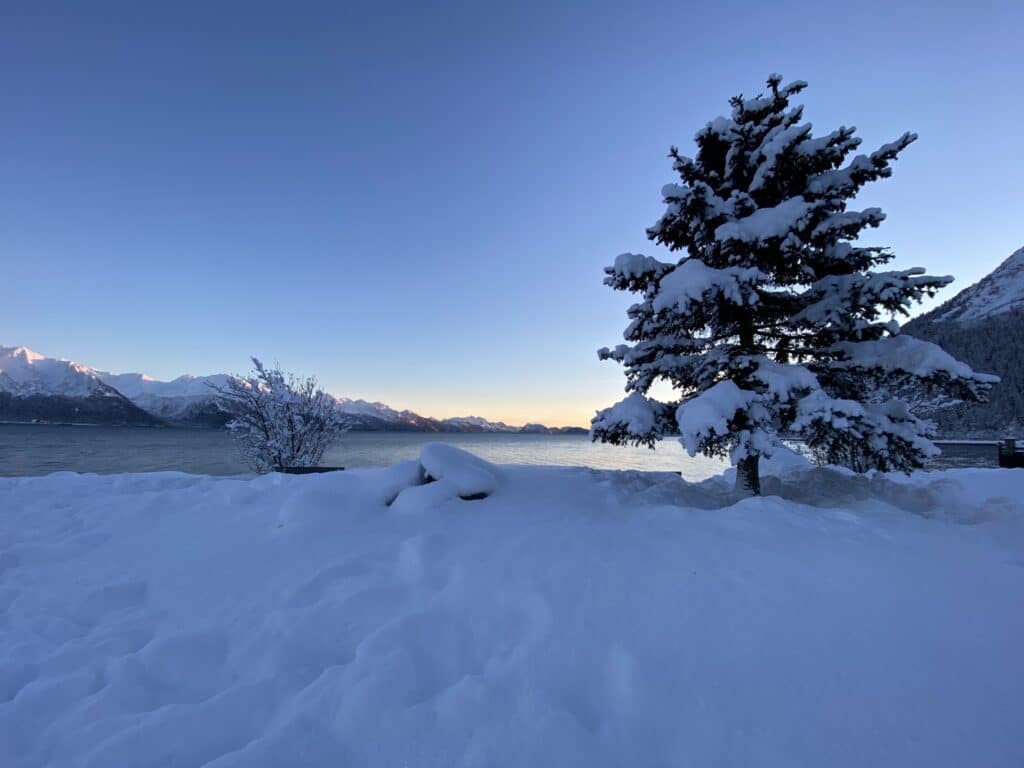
(35, 388)
(983, 326)
(367, 416)
(1000, 291)
(38, 388)
(187, 399)
(24, 372)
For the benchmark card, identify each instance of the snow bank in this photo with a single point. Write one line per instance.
(574, 617)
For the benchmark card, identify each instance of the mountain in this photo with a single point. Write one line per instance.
(186, 400)
(983, 325)
(997, 293)
(38, 388)
(367, 416)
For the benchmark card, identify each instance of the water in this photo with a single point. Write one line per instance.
(40, 449)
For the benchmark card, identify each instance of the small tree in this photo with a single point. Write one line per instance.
(772, 322)
(280, 421)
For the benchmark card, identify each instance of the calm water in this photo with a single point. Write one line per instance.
(40, 449)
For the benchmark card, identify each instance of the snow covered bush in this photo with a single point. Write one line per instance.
(773, 322)
(279, 420)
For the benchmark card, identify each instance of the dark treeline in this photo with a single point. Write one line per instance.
(990, 345)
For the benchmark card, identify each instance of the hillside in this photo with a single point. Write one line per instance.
(983, 325)
(999, 292)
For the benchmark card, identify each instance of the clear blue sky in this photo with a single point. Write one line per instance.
(414, 201)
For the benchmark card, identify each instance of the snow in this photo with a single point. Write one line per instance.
(721, 126)
(907, 354)
(135, 386)
(573, 618)
(870, 423)
(693, 281)
(638, 265)
(775, 144)
(347, 405)
(842, 293)
(710, 412)
(848, 223)
(637, 413)
(478, 423)
(38, 374)
(165, 399)
(465, 473)
(766, 223)
(24, 372)
(782, 380)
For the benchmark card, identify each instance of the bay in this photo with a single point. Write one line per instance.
(38, 449)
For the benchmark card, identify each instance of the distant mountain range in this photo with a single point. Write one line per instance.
(35, 388)
(983, 325)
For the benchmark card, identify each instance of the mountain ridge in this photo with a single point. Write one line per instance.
(998, 292)
(34, 387)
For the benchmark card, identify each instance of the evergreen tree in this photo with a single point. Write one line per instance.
(772, 323)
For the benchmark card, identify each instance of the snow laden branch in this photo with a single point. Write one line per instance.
(636, 420)
(771, 322)
(279, 420)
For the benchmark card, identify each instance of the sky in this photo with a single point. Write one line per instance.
(415, 201)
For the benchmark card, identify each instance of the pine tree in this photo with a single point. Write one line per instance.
(772, 323)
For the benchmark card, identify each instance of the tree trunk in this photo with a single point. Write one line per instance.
(748, 480)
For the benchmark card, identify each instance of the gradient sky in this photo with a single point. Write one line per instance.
(415, 201)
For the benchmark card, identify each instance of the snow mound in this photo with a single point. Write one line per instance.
(581, 618)
(470, 476)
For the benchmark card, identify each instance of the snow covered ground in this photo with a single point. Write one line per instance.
(572, 617)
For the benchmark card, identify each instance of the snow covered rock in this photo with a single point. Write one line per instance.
(470, 476)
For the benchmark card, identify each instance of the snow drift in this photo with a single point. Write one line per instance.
(572, 617)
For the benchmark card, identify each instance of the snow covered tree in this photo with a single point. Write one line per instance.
(773, 323)
(280, 421)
